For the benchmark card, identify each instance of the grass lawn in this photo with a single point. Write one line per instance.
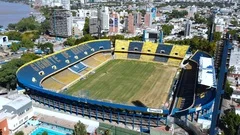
(126, 81)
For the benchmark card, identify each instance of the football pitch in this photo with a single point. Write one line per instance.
(128, 82)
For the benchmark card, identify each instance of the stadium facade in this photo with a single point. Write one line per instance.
(191, 96)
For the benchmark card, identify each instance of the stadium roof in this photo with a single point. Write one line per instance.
(206, 75)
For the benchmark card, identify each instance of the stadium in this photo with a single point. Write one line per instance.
(130, 82)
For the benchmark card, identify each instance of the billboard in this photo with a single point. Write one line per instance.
(113, 22)
(116, 22)
(154, 12)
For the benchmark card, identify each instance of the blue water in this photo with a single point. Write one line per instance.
(13, 12)
(40, 130)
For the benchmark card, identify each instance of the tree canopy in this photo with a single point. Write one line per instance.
(45, 133)
(86, 37)
(199, 19)
(177, 14)
(86, 26)
(46, 47)
(79, 129)
(231, 122)
(8, 71)
(26, 24)
(228, 90)
(167, 29)
(19, 133)
(14, 35)
(70, 41)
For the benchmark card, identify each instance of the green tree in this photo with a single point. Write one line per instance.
(86, 37)
(107, 132)
(231, 122)
(14, 35)
(228, 90)
(70, 41)
(45, 26)
(79, 129)
(232, 32)
(47, 47)
(19, 133)
(27, 24)
(231, 69)
(86, 26)
(27, 57)
(217, 36)
(8, 71)
(45, 133)
(11, 26)
(199, 19)
(27, 43)
(30, 35)
(167, 29)
(234, 22)
(15, 47)
(74, 13)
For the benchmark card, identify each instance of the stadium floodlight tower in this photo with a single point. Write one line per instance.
(220, 85)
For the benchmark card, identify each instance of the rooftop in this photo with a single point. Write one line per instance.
(206, 75)
(3, 101)
(19, 102)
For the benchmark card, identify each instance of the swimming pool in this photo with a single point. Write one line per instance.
(40, 130)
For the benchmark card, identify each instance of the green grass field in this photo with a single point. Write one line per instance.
(125, 81)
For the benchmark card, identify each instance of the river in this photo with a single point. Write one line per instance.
(13, 12)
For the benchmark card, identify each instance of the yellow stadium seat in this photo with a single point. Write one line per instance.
(121, 46)
(66, 76)
(150, 48)
(52, 84)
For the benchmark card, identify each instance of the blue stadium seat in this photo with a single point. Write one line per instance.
(208, 96)
(160, 59)
(198, 54)
(133, 56)
(36, 71)
(135, 46)
(164, 49)
(78, 67)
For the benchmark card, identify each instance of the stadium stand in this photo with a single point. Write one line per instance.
(65, 76)
(187, 86)
(135, 47)
(77, 68)
(148, 47)
(102, 57)
(47, 65)
(85, 71)
(91, 62)
(160, 58)
(174, 62)
(121, 46)
(177, 50)
(164, 49)
(133, 56)
(196, 56)
(52, 84)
